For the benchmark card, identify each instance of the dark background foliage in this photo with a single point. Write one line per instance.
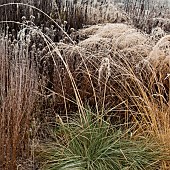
(141, 12)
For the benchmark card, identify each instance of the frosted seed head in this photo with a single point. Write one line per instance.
(32, 18)
(72, 29)
(104, 69)
(65, 22)
(23, 18)
(28, 39)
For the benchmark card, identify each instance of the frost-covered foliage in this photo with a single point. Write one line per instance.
(94, 53)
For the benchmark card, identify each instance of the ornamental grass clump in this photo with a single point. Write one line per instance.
(96, 145)
(17, 98)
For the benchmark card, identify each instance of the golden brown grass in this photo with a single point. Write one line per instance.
(128, 86)
(18, 84)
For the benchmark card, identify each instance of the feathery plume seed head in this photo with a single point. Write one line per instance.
(104, 70)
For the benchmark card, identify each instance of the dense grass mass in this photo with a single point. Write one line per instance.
(84, 85)
(93, 144)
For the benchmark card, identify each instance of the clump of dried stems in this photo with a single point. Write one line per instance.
(17, 97)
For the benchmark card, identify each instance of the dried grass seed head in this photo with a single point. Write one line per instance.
(104, 70)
